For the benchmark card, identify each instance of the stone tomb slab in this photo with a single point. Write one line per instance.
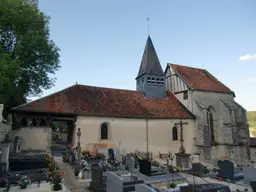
(122, 183)
(44, 187)
(249, 175)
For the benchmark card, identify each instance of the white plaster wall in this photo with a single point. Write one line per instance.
(131, 133)
(34, 138)
(188, 103)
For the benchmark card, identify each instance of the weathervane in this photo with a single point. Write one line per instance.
(148, 26)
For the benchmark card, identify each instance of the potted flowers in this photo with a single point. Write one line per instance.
(172, 186)
(24, 182)
(3, 182)
(56, 180)
(65, 156)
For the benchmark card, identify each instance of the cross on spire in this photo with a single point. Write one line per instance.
(148, 26)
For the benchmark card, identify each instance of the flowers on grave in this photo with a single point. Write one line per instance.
(53, 167)
(56, 180)
(3, 182)
(65, 156)
(155, 163)
(85, 153)
(100, 156)
(178, 169)
(24, 182)
(172, 185)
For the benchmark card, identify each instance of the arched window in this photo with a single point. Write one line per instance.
(175, 134)
(104, 131)
(210, 122)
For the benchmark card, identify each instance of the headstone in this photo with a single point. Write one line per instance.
(111, 154)
(226, 169)
(198, 169)
(71, 157)
(145, 167)
(130, 164)
(118, 155)
(98, 182)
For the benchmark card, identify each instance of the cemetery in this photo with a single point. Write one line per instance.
(114, 170)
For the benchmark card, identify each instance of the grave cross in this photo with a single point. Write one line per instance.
(78, 143)
(181, 123)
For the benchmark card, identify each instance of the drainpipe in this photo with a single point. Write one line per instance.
(147, 137)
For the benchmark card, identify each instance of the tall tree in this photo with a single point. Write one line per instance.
(28, 58)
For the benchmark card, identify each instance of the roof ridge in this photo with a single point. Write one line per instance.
(107, 88)
(41, 98)
(187, 66)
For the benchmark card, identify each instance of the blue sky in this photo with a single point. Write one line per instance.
(102, 42)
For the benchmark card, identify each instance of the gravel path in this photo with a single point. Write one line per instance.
(69, 180)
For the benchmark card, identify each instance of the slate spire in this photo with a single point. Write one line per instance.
(150, 64)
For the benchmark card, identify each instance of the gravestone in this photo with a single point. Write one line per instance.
(226, 169)
(71, 157)
(198, 169)
(98, 182)
(130, 164)
(249, 175)
(111, 154)
(145, 167)
(118, 155)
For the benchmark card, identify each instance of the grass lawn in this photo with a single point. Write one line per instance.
(252, 124)
(252, 127)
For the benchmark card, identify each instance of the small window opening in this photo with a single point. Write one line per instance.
(104, 131)
(185, 95)
(175, 134)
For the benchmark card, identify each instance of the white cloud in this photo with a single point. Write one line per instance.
(248, 81)
(247, 57)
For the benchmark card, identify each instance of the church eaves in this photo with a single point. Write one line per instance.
(150, 64)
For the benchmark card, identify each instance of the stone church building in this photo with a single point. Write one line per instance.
(215, 126)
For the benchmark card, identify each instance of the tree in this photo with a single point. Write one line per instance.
(28, 58)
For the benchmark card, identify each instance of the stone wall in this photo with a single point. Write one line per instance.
(34, 138)
(230, 126)
(253, 153)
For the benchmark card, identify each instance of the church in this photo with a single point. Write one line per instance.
(180, 103)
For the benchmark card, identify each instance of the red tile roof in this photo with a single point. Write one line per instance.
(96, 101)
(199, 79)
